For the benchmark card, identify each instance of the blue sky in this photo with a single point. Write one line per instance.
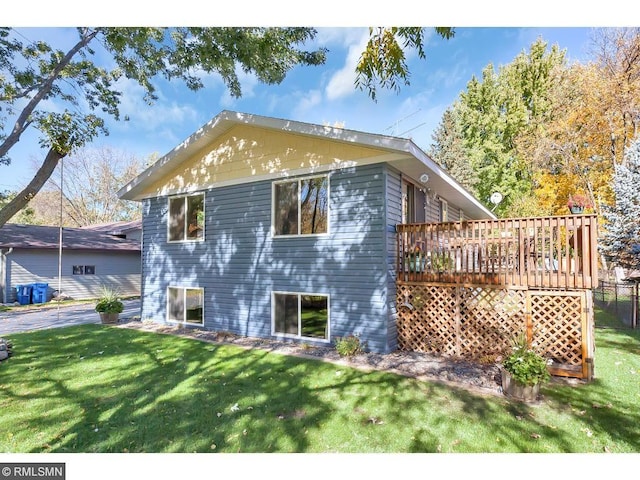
(323, 95)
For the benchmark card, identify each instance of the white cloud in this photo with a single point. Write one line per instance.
(341, 83)
(148, 118)
(342, 36)
(308, 101)
(458, 73)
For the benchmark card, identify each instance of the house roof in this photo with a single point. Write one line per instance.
(115, 228)
(47, 237)
(402, 153)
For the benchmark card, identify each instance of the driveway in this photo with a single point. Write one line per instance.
(15, 321)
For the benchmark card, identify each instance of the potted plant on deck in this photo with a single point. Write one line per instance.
(109, 306)
(578, 202)
(523, 371)
(415, 259)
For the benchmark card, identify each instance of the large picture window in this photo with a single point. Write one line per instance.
(301, 207)
(185, 305)
(301, 315)
(186, 218)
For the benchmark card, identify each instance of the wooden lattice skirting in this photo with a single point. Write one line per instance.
(478, 322)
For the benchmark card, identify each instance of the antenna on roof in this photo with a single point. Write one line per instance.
(394, 126)
(411, 129)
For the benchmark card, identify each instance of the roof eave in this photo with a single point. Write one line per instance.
(418, 153)
(227, 119)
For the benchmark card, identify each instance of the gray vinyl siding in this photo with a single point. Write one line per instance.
(433, 211)
(393, 195)
(239, 264)
(120, 270)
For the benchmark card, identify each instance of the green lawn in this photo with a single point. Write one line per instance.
(95, 388)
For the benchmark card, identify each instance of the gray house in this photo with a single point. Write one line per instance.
(29, 254)
(280, 229)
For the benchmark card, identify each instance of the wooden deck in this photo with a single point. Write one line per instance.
(557, 252)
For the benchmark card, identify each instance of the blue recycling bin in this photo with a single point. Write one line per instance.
(23, 294)
(39, 294)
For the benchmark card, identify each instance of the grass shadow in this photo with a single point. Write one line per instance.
(94, 388)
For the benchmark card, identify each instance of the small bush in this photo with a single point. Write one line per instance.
(109, 301)
(524, 364)
(349, 346)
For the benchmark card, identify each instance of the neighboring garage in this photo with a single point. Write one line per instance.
(29, 255)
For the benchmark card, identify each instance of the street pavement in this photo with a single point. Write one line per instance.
(24, 320)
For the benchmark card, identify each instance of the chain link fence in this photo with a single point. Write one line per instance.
(620, 299)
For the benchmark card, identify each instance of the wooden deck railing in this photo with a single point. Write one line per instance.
(546, 252)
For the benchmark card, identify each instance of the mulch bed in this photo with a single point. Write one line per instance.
(475, 377)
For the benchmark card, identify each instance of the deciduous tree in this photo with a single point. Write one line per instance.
(64, 94)
(90, 180)
(383, 62)
(500, 113)
(617, 57)
(35, 75)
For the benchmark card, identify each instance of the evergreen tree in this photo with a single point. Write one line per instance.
(621, 242)
(448, 151)
(499, 112)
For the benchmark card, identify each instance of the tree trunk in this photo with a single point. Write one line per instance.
(22, 199)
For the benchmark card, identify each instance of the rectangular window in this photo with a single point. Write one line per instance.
(301, 207)
(185, 305)
(84, 269)
(301, 315)
(186, 218)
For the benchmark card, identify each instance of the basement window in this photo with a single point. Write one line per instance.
(185, 305)
(301, 315)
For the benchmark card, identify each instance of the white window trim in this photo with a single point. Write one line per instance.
(273, 207)
(184, 313)
(299, 336)
(186, 224)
